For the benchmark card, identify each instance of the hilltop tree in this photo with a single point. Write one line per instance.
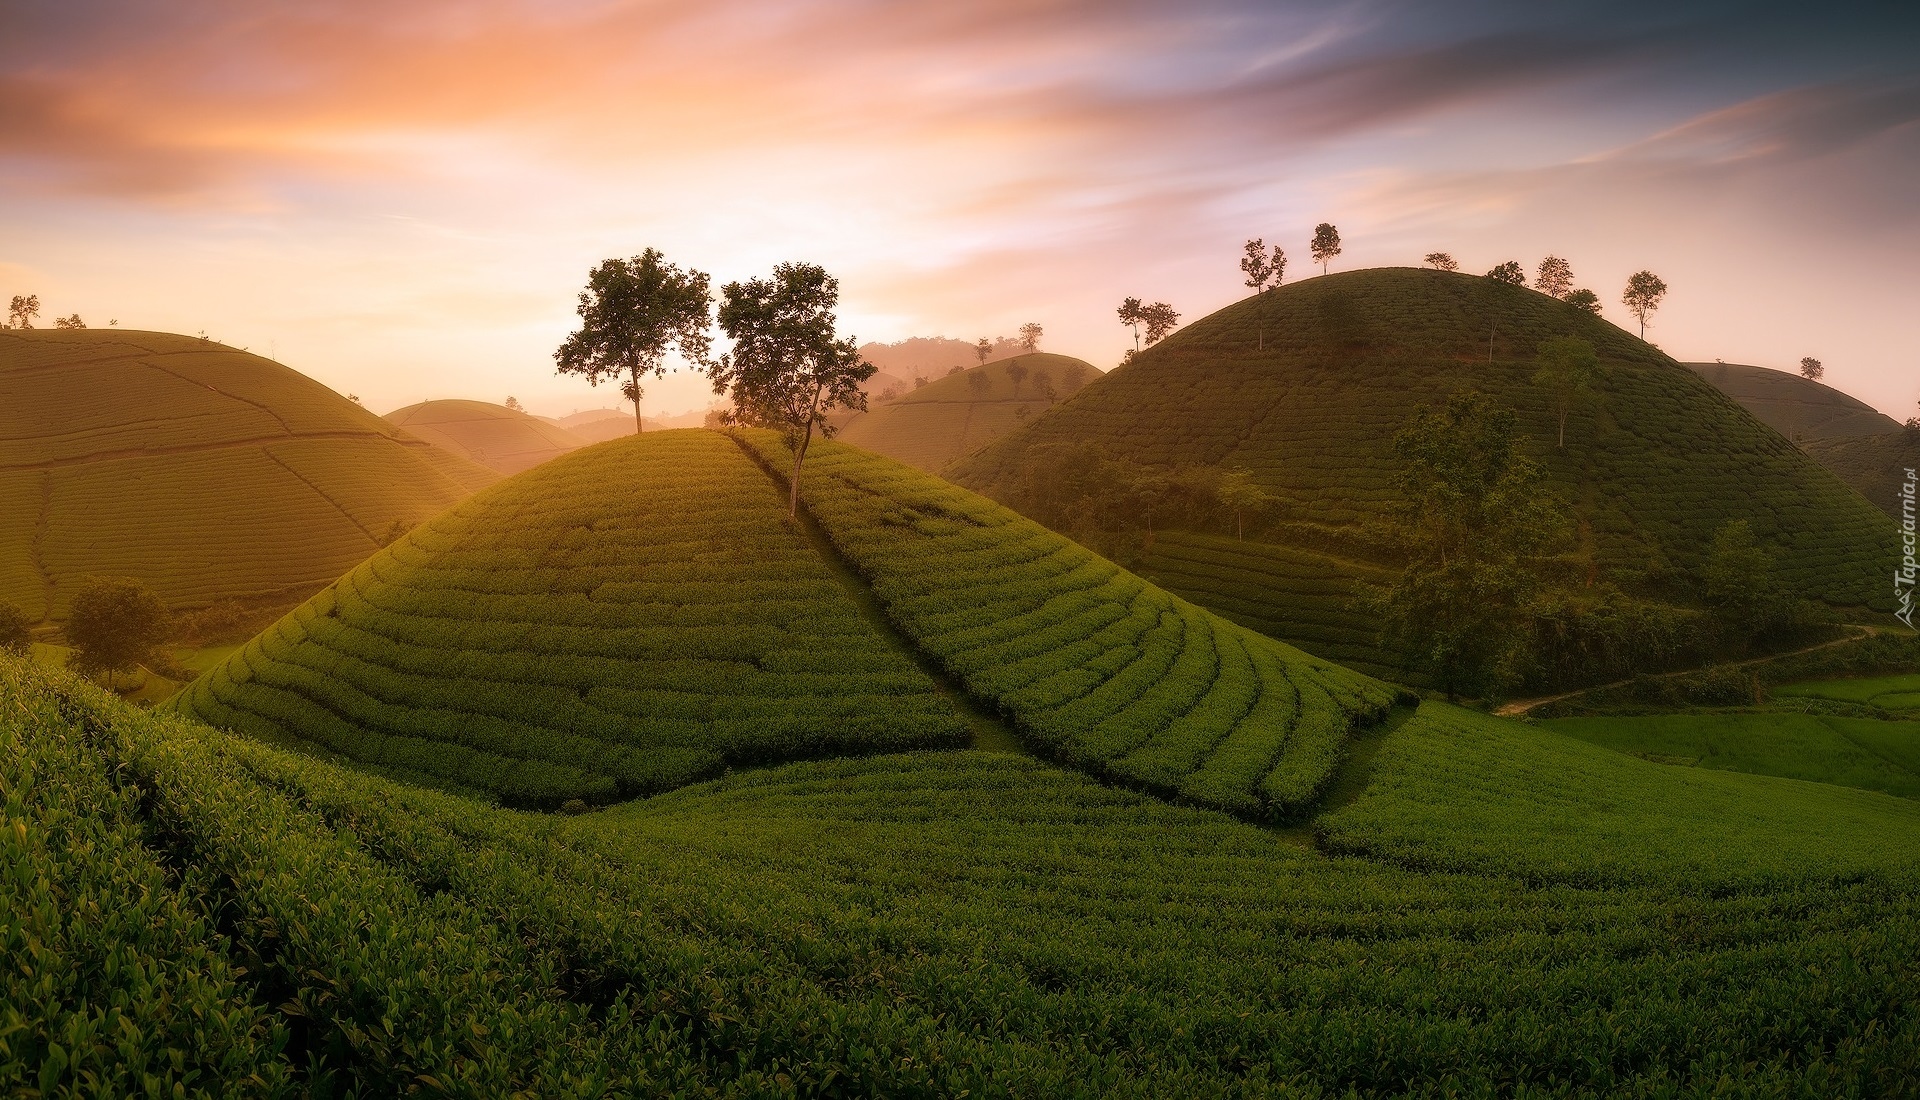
(72, 320)
(631, 313)
(1030, 334)
(1442, 261)
(15, 635)
(1262, 269)
(1160, 320)
(979, 383)
(788, 369)
(1567, 369)
(919, 381)
(1812, 369)
(983, 350)
(1240, 495)
(1584, 299)
(1131, 314)
(955, 369)
(1509, 273)
(513, 403)
(1073, 375)
(1018, 372)
(22, 311)
(1326, 245)
(1555, 277)
(1474, 528)
(1642, 296)
(114, 625)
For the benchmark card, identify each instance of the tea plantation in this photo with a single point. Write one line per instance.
(619, 621)
(206, 472)
(1874, 465)
(501, 439)
(956, 415)
(1652, 466)
(1798, 408)
(192, 913)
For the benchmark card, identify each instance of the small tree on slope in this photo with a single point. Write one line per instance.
(1262, 269)
(1326, 245)
(1642, 296)
(631, 313)
(787, 369)
(114, 625)
(1812, 369)
(1567, 369)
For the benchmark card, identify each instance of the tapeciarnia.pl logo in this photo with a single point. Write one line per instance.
(1903, 577)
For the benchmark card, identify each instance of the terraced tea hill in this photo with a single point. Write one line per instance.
(1652, 468)
(1095, 666)
(619, 621)
(501, 439)
(1798, 408)
(209, 473)
(1874, 465)
(1868, 753)
(931, 426)
(922, 925)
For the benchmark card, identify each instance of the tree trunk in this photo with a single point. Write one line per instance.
(637, 425)
(1563, 429)
(793, 486)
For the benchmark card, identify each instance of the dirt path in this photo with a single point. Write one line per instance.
(1521, 706)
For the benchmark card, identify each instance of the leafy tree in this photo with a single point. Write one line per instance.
(983, 350)
(1642, 296)
(1043, 382)
(788, 369)
(15, 635)
(1474, 529)
(919, 381)
(1030, 334)
(1326, 245)
(1812, 369)
(22, 311)
(1262, 269)
(1567, 367)
(979, 383)
(1073, 375)
(1509, 273)
(1131, 314)
(1160, 320)
(355, 398)
(955, 369)
(1018, 372)
(1241, 496)
(114, 625)
(1442, 261)
(1584, 299)
(513, 403)
(1741, 591)
(1555, 277)
(631, 313)
(70, 321)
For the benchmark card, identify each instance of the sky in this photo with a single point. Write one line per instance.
(402, 199)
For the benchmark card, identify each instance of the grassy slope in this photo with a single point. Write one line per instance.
(913, 926)
(492, 435)
(1651, 471)
(931, 426)
(622, 620)
(1795, 407)
(1851, 752)
(207, 472)
(1874, 465)
(1093, 664)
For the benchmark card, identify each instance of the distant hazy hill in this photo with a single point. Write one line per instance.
(928, 357)
(931, 426)
(1795, 407)
(207, 472)
(1652, 470)
(499, 438)
(1875, 465)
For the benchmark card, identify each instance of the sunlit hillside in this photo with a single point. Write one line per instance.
(205, 471)
(501, 439)
(932, 425)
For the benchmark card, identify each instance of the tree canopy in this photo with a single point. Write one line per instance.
(1442, 261)
(1555, 277)
(1584, 299)
(1509, 273)
(1642, 296)
(1261, 270)
(1812, 369)
(1030, 334)
(1326, 245)
(114, 625)
(631, 314)
(22, 310)
(1567, 369)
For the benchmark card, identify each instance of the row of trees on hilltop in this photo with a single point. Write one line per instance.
(1554, 278)
(24, 308)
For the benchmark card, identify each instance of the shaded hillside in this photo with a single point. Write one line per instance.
(931, 426)
(1796, 407)
(1651, 469)
(207, 472)
(1875, 465)
(501, 439)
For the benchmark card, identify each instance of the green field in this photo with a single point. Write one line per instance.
(206, 472)
(501, 439)
(1851, 752)
(1893, 693)
(1798, 408)
(933, 425)
(1874, 465)
(942, 924)
(1650, 471)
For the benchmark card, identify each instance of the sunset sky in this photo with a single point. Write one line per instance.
(402, 199)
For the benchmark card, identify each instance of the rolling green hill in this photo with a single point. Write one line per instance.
(1874, 465)
(931, 426)
(1796, 407)
(499, 438)
(638, 615)
(1651, 469)
(1505, 911)
(207, 472)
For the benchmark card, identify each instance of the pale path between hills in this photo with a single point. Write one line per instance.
(1521, 706)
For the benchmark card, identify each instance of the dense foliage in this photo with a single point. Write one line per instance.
(206, 911)
(618, 621)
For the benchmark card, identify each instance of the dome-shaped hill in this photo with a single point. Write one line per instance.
(933, 425)
(494, 436)
(1875, 465)
(1798, 408)
(639, 614)
(207, 472)
(1653, 467)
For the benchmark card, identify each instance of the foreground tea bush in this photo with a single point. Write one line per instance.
(616, 622)
(918, 925)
